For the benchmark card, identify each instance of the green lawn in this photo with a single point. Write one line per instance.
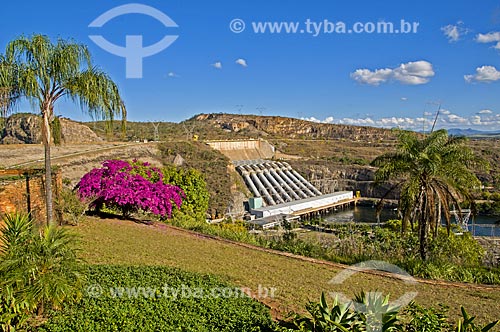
(296, 281)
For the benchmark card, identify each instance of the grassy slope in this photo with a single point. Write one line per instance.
(297, 281)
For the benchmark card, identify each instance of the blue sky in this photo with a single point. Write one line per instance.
(379, 79)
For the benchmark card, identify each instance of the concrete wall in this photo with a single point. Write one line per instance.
(244, 149)
(304, 204)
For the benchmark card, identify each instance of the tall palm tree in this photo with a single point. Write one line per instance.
(48, 72)
(433, 173)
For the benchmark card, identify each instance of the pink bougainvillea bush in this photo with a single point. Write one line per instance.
(130, 186)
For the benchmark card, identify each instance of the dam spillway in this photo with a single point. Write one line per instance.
(281, 192)
(275, 182)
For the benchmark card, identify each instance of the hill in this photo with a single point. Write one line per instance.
(332, 156)
(25, 128)
(473, 132)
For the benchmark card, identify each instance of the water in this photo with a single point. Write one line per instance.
(482, 225)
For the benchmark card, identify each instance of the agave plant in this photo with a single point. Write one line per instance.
(376, 311)
(466, 324)
(324, 318)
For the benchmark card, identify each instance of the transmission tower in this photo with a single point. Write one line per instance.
(156, 125)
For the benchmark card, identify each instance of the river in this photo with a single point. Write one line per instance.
(481, 225)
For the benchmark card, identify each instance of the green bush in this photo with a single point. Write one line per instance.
(231, 230)
(194, 186)
(71, 206)
(128, 298)
(39, 270)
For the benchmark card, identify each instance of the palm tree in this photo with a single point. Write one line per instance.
(8, 88)
(433, 174)
(48, 72)
(39, 269)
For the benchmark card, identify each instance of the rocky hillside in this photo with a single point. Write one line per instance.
(282, 127)
(25, 128)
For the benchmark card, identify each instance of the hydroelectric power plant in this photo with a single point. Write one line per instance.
(279, 192)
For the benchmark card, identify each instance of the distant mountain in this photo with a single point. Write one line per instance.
(471, 132)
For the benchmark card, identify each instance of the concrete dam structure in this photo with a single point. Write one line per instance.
(275, 182)
(244, 149)
(279, 191)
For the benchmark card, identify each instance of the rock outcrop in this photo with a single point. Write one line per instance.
(26, 129)
(295, 128)
(329, 177)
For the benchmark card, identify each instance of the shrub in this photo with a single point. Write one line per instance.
(39, 270)
(194, 186)
(130, 187)
(71, 206)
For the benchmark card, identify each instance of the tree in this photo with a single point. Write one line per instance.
(434, 174)
(48, 72)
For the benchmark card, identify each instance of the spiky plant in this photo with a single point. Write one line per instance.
(39, 268)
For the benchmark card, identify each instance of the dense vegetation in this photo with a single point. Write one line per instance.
(127, 298)
(131, 298)
(167, 131)
(192, 182)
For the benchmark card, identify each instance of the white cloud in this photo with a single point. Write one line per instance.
(329, 119)
(376, 77)
(446, 119)
(411, 73)
(404, 99)
(414, 73)
(454, 32)
(217, 65)
(453, 118)
(241, 62)
(485, 112)
(489, 121)
(490, 37)
(486, 74)
(172, 74)
(312, 119)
